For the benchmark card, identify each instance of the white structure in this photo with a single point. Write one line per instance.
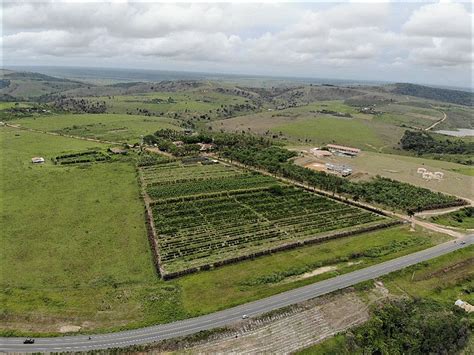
(427, 175)
(37, 160)
(320, 152)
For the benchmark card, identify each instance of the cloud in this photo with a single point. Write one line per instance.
(289, 38)
(440, 20)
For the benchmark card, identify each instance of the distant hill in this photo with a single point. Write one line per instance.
(26, 85)
(453, 96)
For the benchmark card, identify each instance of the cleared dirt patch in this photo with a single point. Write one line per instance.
(318, 320)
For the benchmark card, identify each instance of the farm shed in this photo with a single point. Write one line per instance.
(117, 150)
(342, 149)
(37, 160)
(320, 152)
(205, 146)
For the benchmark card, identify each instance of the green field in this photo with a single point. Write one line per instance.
(191, 103)
(304, 124)
(324, 130)
(110, 127)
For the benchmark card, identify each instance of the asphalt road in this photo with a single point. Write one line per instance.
(228, 316)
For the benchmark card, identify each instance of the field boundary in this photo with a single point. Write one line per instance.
(150, 226)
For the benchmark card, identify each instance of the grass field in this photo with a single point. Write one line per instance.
(324, 130)
(199, 101)
(117, 128)
(304, 125)
(410, 116)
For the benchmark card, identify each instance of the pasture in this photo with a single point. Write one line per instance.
(192, 102)
(305, 125)
(109, 127)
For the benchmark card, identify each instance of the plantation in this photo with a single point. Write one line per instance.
(177, 171)
(209, 185)
(210, 215)
(82, 157)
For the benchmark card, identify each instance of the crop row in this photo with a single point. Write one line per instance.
(210, 185)
(173, 172)
(193, 231)
(80, 158)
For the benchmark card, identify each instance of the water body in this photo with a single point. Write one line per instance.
(460, 132)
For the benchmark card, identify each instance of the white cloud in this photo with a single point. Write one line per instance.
(289, 38)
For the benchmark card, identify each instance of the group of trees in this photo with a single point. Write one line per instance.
(425, 143)
(70, 104)
(391, 193)
(410, 327)
(260, 152)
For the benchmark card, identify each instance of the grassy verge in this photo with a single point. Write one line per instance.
(442, 280)
(463, 218)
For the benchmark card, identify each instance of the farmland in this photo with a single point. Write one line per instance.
(85, 234)
(232, 214)
(75, 239)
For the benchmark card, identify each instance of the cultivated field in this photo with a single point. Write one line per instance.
(210, 215)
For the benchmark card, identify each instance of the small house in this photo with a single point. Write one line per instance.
(37, 160)
(116, 150)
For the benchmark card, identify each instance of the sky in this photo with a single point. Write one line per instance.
(419, 42)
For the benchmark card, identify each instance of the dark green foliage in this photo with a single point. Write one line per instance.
(425, 143)
(453, 96)
(411, 327)
(81, 157)
(380, 190)
(149, 159)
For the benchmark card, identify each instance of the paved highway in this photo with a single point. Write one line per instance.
(231, 315)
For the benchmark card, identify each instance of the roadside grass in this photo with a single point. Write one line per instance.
(444, 279)
(227, 286)
(121, 128)
(459, 219)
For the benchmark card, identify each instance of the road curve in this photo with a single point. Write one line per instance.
(231, 315)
